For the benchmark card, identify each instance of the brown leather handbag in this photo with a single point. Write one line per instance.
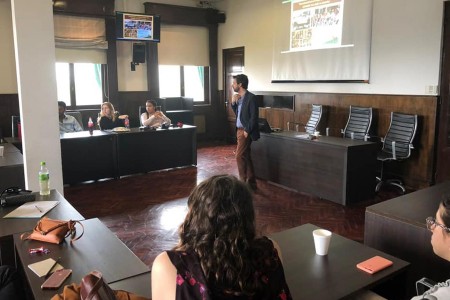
(93, 287)
(53, 231)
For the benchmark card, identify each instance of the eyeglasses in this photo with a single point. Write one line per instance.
(431, 224)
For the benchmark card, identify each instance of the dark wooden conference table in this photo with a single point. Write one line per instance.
(9, 226)
(335, 275)
(397, 226)
(338, 169)
(98, 249)
(107, 154)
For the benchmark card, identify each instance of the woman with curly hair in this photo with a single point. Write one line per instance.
(218, 255)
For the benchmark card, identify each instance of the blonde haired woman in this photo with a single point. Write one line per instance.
(109, 118)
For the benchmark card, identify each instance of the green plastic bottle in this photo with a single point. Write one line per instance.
(44, 180)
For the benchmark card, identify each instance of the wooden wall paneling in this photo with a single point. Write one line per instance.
(84, 7)
(418, 170)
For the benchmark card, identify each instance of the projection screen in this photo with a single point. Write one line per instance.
(321, 40)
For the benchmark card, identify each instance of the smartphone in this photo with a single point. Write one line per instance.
(56, 279)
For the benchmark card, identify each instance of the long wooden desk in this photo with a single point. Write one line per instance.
(107, 154)
(98, 249)
(88, 157)
(63, 211)
(336, 169)
(398, 227)
(334, 276)
(142, 151)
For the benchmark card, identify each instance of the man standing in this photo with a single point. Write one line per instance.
(67, 123)
(245, 106)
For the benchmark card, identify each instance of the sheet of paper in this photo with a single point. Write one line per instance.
(303, 136)
(33, 209)
(42, 267)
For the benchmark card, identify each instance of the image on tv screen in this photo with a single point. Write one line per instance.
(137, 27)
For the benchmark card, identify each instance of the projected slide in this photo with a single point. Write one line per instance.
(316, 24)
(321, 40)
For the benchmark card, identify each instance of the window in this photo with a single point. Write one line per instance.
(79, 84)
(186, 81)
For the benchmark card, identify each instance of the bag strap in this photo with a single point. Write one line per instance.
(73, 232)
(96, 286)
(94, 292)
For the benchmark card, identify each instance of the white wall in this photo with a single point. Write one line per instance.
(405, 53)
(406, 43)
(8, 83)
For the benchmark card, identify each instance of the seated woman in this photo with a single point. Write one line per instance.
(151, 117)
(218, 255)
(109, 118)
(440, 241)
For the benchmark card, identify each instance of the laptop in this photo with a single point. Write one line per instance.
(264, 126)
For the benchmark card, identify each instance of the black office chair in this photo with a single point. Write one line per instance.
(77, 115)
(397, 145)
(358, 124)
(314, 119)
(313, 122)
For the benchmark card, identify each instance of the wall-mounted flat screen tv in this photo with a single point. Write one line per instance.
(137, 27)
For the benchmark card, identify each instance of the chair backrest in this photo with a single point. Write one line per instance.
(359, 121)
(314, 119)
(141, 111)
(76, 115)
(402, 131)
(178, 103)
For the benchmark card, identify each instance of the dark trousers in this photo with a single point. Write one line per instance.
(243, 157)
(10, 284)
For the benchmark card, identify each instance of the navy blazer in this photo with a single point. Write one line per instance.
(249, 115)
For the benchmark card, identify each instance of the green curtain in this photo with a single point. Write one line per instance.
(201, 75)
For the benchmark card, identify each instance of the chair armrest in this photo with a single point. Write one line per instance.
(424, 285)
(295, 125)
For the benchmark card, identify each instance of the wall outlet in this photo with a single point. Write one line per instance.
(431, 89)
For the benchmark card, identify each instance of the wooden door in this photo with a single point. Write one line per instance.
(233, 64)
(443, 132)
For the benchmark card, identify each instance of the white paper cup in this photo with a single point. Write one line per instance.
(322, 239)
(316, 133)
(352, 135)
(2, 149)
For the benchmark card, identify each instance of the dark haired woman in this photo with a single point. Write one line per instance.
(152, 117)
(218, 255)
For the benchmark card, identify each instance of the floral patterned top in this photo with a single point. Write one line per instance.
(191, 281)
